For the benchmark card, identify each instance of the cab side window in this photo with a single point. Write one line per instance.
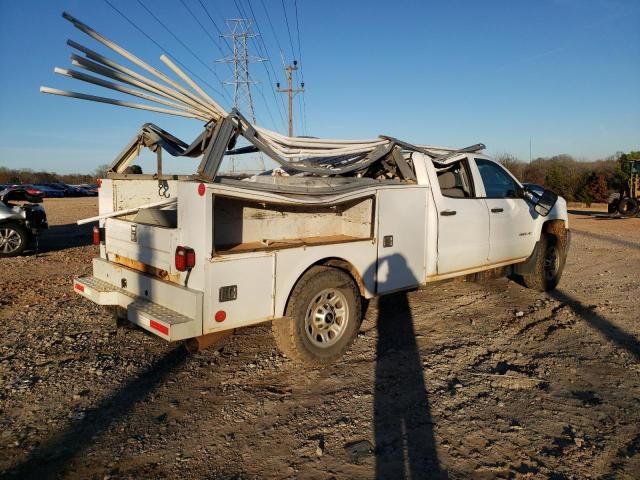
(455, 180)
(497, 182)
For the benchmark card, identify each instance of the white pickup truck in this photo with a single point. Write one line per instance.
(302, 249)
(197, 256)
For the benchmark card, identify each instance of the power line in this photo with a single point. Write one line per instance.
(184, 45)
(275, 36)
(295, 3)
(202, 27)
(293, 50)
(132, 23)
(264, 52)
(304, 102)
(273, 30)
(264, 99)
(215, 24)
(286, 19)
(261, 52)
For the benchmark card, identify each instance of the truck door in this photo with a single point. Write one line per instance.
(402, 217)
(463, 220)
(512, 219)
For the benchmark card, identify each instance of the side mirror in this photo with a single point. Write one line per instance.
(544, 203)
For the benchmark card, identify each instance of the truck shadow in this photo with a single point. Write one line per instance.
(61, 237)
(403, 427)
(51, 458)
(623, 339)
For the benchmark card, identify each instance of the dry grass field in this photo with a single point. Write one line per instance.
(458, 380)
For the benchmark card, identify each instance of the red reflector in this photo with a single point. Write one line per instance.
(159, 327)
(96, 235)
(221, 316)
(78, 287)
(201, 189)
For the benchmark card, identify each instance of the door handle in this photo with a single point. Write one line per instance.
(447, 213)
(497, 210)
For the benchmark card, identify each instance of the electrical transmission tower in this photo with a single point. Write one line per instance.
(240, 33)
(291, 91)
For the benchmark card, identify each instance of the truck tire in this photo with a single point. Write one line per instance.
(549, 265)
(14, 238)
(322, 318)
(628, 207)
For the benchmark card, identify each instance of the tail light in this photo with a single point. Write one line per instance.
(185, 259)
(98, 235)
(99, 182)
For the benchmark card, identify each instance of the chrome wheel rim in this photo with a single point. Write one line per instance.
(10, 240)
(551, 263)
(326, 318)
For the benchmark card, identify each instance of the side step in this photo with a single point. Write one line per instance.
(163, 322)
(155, 318)
(101, 292)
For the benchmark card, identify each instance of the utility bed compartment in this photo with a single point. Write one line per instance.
(241, 225)
(148, 244)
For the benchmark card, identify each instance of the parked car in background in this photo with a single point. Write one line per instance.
(72, 191)
(50, 190)
(25, 193)
(86, 190)
(19, 224)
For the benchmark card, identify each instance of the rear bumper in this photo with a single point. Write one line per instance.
(170, 311)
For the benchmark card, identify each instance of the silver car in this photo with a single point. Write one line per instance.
(18, 223)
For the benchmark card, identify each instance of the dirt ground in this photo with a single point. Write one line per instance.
(459, 380)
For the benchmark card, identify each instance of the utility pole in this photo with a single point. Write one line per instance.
(242, 99)
(291, 91)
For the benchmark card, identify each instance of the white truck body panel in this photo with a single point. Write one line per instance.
(402, 264)
(259, 243)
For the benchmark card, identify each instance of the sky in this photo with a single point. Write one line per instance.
(564, 74)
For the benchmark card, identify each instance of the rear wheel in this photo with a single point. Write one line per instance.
(322, 318)
(628, 207)
(612, 202)
(14, 238)
(549, 265)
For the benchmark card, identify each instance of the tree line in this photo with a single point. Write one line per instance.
(576, 181)
(26, 175)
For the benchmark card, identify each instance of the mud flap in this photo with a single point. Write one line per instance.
(529, 265)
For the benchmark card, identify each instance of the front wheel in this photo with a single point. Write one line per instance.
(628, 207)
(14, 238)
(549, 265)
(322, 318)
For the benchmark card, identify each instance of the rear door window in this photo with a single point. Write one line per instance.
(455, 180)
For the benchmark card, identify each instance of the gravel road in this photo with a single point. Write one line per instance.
(459, 380)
